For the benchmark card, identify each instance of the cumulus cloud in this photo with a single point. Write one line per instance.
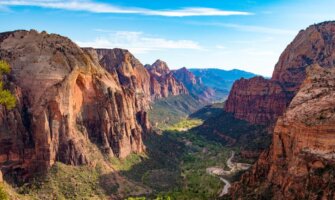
(95, 7)
(137, 42)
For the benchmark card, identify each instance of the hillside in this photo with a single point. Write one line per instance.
(220, 80)
(300, 161)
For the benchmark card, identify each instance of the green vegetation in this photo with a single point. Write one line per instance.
(209, 111)
(171, 110)
(184, 125)
(6, 98)
(177, 159)
(3, 193)
(4, 67)
(66, 182)
(128, 162)
(175, 167)
(237, 134)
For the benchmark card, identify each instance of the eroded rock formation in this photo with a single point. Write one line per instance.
(194, 85)
(66, 102)
(162, 81)
(301, 161)
(261, 101)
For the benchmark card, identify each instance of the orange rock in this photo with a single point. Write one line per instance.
(262, 101)
(66, 102)
(300, 162)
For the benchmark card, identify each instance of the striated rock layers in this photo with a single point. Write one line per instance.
(67, 102)
(261, 101)
(194, 85)
(162, 81)
(301, 161)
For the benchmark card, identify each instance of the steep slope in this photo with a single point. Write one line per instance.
(194, 85)
(128, 70)
(261, 101)
(67, 103)
(301, 161)
(162, 81)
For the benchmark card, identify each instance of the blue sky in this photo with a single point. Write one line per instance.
(227, 34)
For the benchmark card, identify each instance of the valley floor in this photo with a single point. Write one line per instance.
(194, 158)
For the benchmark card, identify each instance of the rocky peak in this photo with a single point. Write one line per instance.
(163, 83)
(159, 67)
(187, 77)
(66, 104)
(315, 45)
(300, 162)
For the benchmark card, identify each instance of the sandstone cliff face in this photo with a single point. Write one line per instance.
(150, 83)
(301, 161)
(257, 100)
(162, 81)
(194, 85)
(128, 71)
(315, 45)
(186, 77)
(67, 102)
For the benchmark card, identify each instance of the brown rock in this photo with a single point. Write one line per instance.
(301, 158)
(162, 81)
(67, 102)
(248, 99)
(194, 85)
(256, 100)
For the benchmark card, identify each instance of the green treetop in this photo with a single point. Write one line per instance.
(6, 98)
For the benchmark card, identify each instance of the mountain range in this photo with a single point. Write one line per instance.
(93, 111)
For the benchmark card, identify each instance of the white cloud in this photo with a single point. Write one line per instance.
(248, 28)
(95, 7)
(138, 42)
(220, 46)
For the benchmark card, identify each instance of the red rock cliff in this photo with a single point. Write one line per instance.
(194, 85)
(301, 161)
(162, 81)
(261, 101)
(66, 102)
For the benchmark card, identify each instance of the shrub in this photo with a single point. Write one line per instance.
(6, 98)
(3, 194)
(4, 67)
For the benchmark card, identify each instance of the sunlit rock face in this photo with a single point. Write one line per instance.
(261, 101)
(300, 163)
(162, 81)
(66, 102)
(194, 85)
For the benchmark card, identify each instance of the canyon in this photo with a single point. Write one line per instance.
(299, 100)
(260, 100)
(87, 108)
(70, 99)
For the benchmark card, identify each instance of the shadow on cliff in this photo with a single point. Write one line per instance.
(159, 169)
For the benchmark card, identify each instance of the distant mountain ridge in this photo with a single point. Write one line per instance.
(220, 80)
(227, 76)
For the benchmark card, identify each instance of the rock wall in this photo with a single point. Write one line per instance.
(66, 102)
(150, 83)
(249, 101)
(162, 81)
(257, 100)
(301, 161)
(194, 85)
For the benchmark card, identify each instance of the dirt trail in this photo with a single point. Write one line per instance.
(234, 167)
